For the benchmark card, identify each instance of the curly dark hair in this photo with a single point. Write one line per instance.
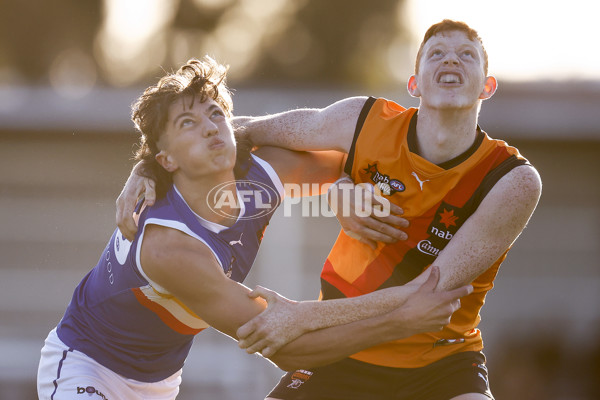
(197, 79)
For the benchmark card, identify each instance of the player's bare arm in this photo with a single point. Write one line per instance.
(188, 270)
(426, 310)
(329, 128)
(493, 227)
(285, 320)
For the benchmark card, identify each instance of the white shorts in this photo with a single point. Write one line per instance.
(67, 374)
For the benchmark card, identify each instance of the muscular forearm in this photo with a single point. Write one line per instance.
(329, 345)
(328, 313)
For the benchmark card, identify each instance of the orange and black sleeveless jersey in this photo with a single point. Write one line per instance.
(437, 200)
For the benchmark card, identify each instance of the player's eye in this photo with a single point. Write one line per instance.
(186, 122)
(217, 113)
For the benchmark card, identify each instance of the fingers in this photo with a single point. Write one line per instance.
(268, 351)
(371, 243)
(393, 220)
(459, 292)
(257, 341)
(124, 218)
(386, 230)
(269, 295)
(150, 191)
(432, 280)
(263, 347)
(243, 332)
(375, 230)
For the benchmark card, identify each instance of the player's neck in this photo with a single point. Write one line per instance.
(210, 197)
(445, 134)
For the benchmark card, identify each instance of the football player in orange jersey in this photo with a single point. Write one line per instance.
(465, 199)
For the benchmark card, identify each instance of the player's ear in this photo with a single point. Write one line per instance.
(166, 161)
(413, 90)
(489, 88)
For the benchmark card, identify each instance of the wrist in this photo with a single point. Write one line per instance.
(394, 327)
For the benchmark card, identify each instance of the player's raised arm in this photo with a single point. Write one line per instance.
(329, 128)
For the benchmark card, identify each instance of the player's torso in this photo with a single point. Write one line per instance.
(437, 200)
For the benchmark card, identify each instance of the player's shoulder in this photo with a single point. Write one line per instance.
(523, 184)
(166, 245)
(527, 176)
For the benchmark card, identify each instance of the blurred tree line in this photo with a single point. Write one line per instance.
(333, 41)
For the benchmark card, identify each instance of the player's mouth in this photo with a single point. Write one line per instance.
(449, 78)
(216, 144)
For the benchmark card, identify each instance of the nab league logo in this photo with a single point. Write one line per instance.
(388, 186)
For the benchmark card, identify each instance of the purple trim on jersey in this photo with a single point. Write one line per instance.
(105, 320)
(60, 364)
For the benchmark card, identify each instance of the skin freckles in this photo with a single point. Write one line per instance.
(496, 224)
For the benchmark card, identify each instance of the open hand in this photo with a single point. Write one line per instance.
(276, 326)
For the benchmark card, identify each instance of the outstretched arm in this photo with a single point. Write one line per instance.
(423, 311)
(329, 128)
(284, 320)
(188, 270)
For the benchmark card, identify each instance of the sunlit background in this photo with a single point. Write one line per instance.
(69, 70)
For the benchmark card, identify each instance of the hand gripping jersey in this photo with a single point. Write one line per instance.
(118, 317)
(437, 200)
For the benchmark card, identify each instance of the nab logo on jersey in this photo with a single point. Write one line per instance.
(122, 247)
(388, 186)
(445, 223)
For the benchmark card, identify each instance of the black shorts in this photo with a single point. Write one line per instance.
(355, 380)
